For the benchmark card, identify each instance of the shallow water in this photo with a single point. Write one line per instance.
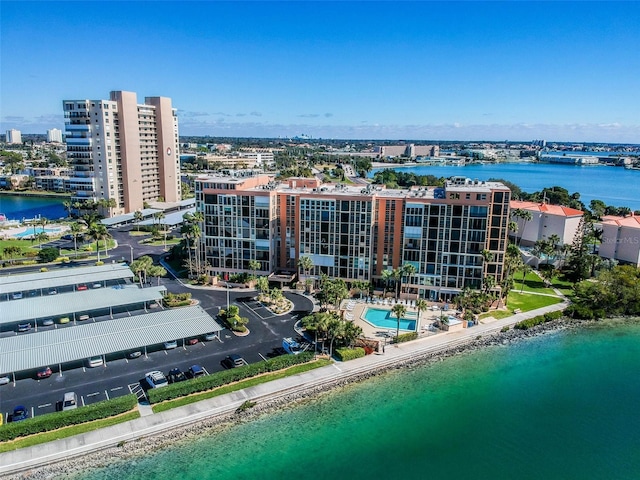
(555, 407)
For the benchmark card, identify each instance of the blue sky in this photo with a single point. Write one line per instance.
(563, 71)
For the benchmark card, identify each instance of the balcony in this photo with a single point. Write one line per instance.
(77, 128)
(79, 141)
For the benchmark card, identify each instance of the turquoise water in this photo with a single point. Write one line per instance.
(30, 231)
(562, 406)
(613, 185)
(384, 319)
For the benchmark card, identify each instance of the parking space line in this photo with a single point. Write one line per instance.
(107, 395)
(44, 405)
(116, 388)
(262, 356)
(93, 394)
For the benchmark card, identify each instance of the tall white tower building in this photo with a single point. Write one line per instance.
(14, 136)
(54, 136)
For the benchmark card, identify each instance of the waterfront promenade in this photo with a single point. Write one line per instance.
(287, 388)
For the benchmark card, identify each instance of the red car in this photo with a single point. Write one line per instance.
(81, 287)
(192, 341)
(44, 372)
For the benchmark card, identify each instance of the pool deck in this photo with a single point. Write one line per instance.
(12, 233)
(427, 317)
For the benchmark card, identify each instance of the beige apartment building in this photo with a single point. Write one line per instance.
(122, 150)
(357, 232)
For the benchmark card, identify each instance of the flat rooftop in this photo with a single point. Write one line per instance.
(65, 304)
(52, 347)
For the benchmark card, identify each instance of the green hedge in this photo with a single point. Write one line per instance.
(405, 337)
(225, 377)
(344, 354)
(538, 320)
(53, 421)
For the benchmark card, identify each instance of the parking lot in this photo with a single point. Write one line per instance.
(121, 376)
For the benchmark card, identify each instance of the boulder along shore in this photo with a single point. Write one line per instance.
(127, 451)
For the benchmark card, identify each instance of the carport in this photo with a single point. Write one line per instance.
(78, 303)
(63, 277)
(59, 347)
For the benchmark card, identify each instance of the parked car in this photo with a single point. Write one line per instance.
(67, 237)
(209, 336)
(19, 413)
(233, 361)
(81, 287)
(171, 344)
(44, 372)
(63, 320)
(24, 327)
(96, 361)
(4, 380)
(134, 354)
(53, 291)
(69, 401)
(156, 379)
(176, 375)
(196, 371)
(16, 295)
(96, 285)
(47, 322)
(192, 341)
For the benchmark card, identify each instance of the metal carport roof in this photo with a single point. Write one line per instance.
(63, 277)
(127, 217)
(35, 350)
(84, 301)
(172, 219)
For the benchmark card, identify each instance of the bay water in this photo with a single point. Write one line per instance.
(18, 207)
(564, 405)
(615, 186)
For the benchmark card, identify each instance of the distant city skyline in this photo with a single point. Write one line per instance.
(517, 71)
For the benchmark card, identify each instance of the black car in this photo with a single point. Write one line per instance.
(19, 413)
(233, 361)
(176, 375)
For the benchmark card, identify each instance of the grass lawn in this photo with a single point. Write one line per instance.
(532, 283)
(249, 382)
(135, 233)
(66, 432)
(529, 302)
(178, 267)
(16, 242)
(160, 243)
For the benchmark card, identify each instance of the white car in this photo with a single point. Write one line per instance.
(95, 361)
(156, 379)
(171, 344)
(70, 401)
(5, 380)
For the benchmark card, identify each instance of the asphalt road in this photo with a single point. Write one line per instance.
(121, 376)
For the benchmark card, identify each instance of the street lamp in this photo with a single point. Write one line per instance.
(227, 284)
(127, 245)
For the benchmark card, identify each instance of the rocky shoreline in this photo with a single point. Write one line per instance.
(130, 450)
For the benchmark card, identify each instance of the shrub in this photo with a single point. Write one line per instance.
(405, 337)
(48, 254)
(53, 421)
(344, 354)
(100, 263)
(504, 329)
(177, 299)
(209, 382)
(532, 322)
(44, 269)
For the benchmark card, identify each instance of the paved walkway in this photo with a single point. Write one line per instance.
(23, 459)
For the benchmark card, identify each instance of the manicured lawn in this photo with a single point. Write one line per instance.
(249, 382)
(532, 283)
(526, 302)
(160, 243)
(135, 233)
(66, 432)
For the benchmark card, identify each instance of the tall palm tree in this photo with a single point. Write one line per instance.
(97, 231)
(41, 237)
(387, 275)
(76, 229)
(396, 274)
(421, 306)
(161, 216)
(254, 265)
(399, 311)
(137, 217)
(67, 204)
(305, 263)
(408, 270)
(524, 215)
(198, 219)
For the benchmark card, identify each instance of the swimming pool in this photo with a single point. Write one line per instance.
(29, 231)
(385, 319)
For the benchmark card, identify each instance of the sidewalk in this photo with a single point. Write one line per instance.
(23, 459)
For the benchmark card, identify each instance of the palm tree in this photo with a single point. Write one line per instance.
(67, 205)
(351, 333)
(198, 219)
(396, 274)
(41, 237)
(157, 271)
(408, 270)
(137, 216)
(254, 265)
(335, 329)
(97, 231)
(399, 311)
(76, 229)
(262, 284)
(421, 306)
(306, 264)
(142, 267)
(522, 214)
(526, 268)
(387, 275)
(161, 216)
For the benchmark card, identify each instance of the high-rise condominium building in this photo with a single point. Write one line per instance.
(54, 136)
(13, 136)
(455, 236)
(123, 152)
